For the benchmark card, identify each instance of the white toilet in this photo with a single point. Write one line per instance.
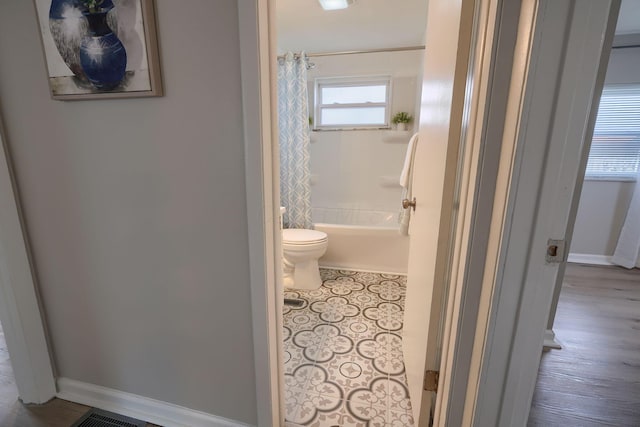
(301, 250)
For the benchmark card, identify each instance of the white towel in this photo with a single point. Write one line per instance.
(405, 175)
(406, 178)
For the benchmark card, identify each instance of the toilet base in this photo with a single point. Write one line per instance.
(303, 275)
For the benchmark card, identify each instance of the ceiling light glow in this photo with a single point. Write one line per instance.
(335, 4)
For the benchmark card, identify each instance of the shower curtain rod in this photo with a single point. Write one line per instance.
(398, 49)
(356, 52)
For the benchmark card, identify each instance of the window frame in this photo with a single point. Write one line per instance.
(617, 177)
(356, 81)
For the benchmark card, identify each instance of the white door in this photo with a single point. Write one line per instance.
(434, 176)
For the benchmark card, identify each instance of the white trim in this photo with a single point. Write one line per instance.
(494, 47)
(590, 259)
(20, 314)
(142, 408)
(258, 62)
(550, 340)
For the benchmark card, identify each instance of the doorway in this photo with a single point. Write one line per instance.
(491, 162)
(449, 74)
(343, 355)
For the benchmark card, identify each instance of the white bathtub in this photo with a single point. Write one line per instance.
(368, 248)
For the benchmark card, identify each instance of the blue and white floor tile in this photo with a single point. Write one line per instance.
(343, 353)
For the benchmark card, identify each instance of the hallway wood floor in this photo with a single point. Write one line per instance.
(595, 379)
(55, 413)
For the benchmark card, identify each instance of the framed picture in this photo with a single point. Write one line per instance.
(100, 48)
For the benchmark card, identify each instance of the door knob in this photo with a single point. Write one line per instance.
(406, 203)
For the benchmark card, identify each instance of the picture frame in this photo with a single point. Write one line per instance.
(100, 49)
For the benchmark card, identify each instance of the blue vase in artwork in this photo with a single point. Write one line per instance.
(68, 26)
(103, 57)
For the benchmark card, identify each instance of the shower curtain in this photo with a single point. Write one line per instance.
(293, 123)
(627, 253)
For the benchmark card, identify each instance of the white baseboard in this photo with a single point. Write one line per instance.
(364, 269)
(590, 259)
(142, 408)
(550, 340)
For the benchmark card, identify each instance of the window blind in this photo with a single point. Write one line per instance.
(615, 148)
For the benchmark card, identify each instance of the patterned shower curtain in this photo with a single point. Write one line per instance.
(293, 123)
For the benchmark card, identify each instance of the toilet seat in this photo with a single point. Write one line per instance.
(298, 236)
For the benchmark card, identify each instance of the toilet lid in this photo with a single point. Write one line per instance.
(299, 236)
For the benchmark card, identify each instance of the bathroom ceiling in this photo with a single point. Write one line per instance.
(366, 24)
(373, 24)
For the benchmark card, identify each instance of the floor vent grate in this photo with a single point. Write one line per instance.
(99, 418)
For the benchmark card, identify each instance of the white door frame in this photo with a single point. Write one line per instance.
(20, 314)
(258, 74)
(496, 29)
(558, 75)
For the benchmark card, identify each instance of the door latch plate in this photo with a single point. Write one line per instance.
(555, 251)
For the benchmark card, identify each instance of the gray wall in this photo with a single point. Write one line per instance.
(135, 210)
(604, 204)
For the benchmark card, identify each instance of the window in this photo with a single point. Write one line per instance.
(615, 149)
(352, 103)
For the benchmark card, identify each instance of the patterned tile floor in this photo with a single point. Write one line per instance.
(343, 353)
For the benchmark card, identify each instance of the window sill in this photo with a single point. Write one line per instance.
(328, 129)
(609, 179)
(397, 136)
